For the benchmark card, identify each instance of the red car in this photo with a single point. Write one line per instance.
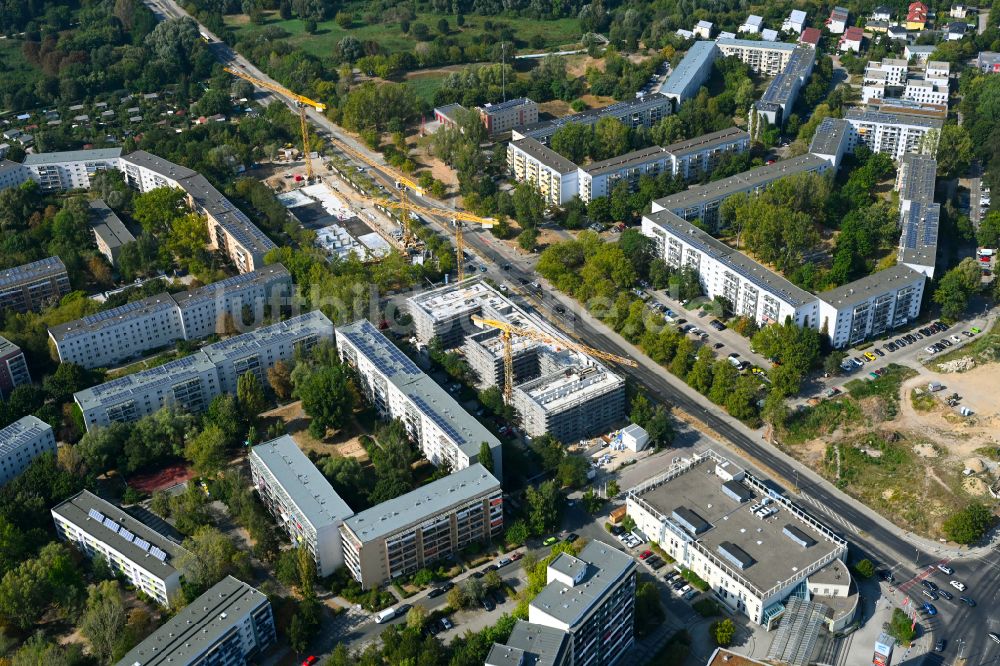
(310, 660)
(514, 557)
(645, 554)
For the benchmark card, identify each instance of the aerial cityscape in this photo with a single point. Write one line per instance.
(477, 333)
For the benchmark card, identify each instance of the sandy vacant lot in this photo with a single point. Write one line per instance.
(344, 442)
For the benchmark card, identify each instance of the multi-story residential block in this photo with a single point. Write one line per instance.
(33, 286)
(794, 22)
(988, 62)
(764, 58)
(505, 116)
(754, 547)
(133, 549)
(70, 170)
(938, 72)
(703, 201)
(230, 624)
(591, 598)
(21, 442)
(301, 500)
(412, 531)
(925, 92)
(918, 237)
(533, 162)
(894, 133)
(13, 368)
(872, 305)
(639, 112)
(131, 330)
(398, 389)
(837, 23)
(110, 233)
(12, 174)
(920, 53)
(696, 158)
(191, 382)
(693, 70)
(777, 101)
(532, 645)
(572, 402)
(753, 290)
(889, 73)
(830, 140)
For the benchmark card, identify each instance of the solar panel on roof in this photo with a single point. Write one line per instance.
(158, 553)
(96, 515)
(142, 543)
(438, 420)
(111, 525)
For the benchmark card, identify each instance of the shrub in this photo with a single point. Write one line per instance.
(865, 568)
(723, 631)
(969, 524)
(696, 581)
(901, 627)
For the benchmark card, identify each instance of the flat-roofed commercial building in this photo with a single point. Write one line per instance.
(643, 111)
(701, 202)
(505, 116)
(591, 597)
(191, 382)
(131, 330)
(405, 534)
(574, 401)
(872, 305)
(13, 368)
(765, 58)
(398, 389)
(753, 546)
(33, 286)
(552, 174)
(532, 645)
(21, 442)
(895, 134)
(301, 500)
(72, 169)
(694, 69)
(777, 101)
(229, 624)
(133, 549)
(753, 290)
(110, 233)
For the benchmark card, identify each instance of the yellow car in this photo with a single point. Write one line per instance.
(870, 356)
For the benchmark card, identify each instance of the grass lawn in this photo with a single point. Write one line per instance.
(561, 32)
(13, 66)
(426, 86)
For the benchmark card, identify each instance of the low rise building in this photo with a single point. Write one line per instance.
(753, 25)
(916, 16)
(301, 500)
(448, 114)
(532, 645)
(882, 13)
(590, 597)
(830, 140)
(851, 40)
(12, 174)
(919, 53)
(694, 69)
(70, 170)
(703, 29)
(110, 233)
(412, 531)
(231, 623)
(872, 305)
(897, 32)
(643, 111)
(925, 92)
(754, 547)
(33, 286)
(552, 174)
(20, 443)
(147, 558)
(960, 10)
(398, 389)
(837, 23)
(988, 62)
(764, 58)
(505, 116)
(795, 22)
(13, 368)
(956, 30)
(810, 37)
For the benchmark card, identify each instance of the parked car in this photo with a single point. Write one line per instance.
(994, 637)
(310, 660)
(968, 601)
(503, 561)
(550, 541)
(435, 592)
(516, 556)
(645, 554)
(939, 646)
(878, 352)
(958, 586)
(571, 537)
(946, 594)
(870, 356)
(488, 603)
(446, 624)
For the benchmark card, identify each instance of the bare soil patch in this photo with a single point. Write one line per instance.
(345, 442)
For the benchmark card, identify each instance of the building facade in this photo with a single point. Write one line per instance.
(505, 116)
(12, 174)
(405, 534)
(532, 645)
(696, 158)
(33, 286)
(552, 174)
(20, 443)
(301, 500)
(591, 598)
(228, 625)
(687, 78)
(110, 233)
(13, 368)
(896, 134)
(778, 99)
(132, 549)
(764, 58)
(70, 170)
(571, 402)
(872, 305)
(639, 112)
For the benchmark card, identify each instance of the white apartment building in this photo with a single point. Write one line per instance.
(505, 116)
(778, 99)
(830, 140)
(938, 71)
(703, 29)
(555, 176)
(918, 52)
(301, 500)
(872, 305)
(230, 624)
(925, 92)
(532, 645)
(753, 546)
(794, 22)
(893, 133)
(20, 443)
(110, 337)
(191, 382)
(696, 158)
(398, 389)
(694, 69)
(33, 286)
(13, 368)
(12, 174)
(405, 534)
(70, 170)
(133, 549)
(753, 25)
(591, 598)
(765, 58)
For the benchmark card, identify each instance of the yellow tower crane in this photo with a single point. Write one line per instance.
(300, 101)
(507, 331)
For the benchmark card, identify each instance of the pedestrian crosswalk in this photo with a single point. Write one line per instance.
(828, 514)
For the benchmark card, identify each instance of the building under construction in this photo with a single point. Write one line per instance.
(555, 389)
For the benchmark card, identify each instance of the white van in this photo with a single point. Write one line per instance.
(385, 615)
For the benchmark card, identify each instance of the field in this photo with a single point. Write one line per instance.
(425, 85)
(13, 66)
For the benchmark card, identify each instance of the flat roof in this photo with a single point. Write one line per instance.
(636, 157)
(266, 275)
(266, 337)
(31, 271)
(110, 318)
(547, 128)
(108, 225)
(918, 177)
(109, 524)
(94, 155)
(530, 645)
(792, 76)
(890, 118)
(503, 106)
(449, 110)
(828, 137)
(302, 482)
(918, 238)
(17, 434)
(7, 347)
(733, 525)
(707, 141)
(418, 505)
(544, 154)
(871, 285)
(690, 67)
(121, 389)
(606, 567)
(197, 627)
(563, 387)
(159, 165)
(754, 44)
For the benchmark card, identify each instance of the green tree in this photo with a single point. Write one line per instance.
(157, 209)
(723, 632)
(988, 234)
(550, 450)
(416, 618)
(865, 568)
(527, 240)
(742, 402)
(613, 488)
(660, 429)
(572, 141)
(207, 450)
(955, 151)
(611, 138)
(724, 376)
(649, 611)
(683, 357)
(969, 524)
(517, 533)
(572, 472)
(104, 619)
(901, 627)
(700, 376)
(210, 557)
(306, 567)
(543, 507)
(642, 411)
(956, 287)
(327, 395)
(486, 456)
(279, 377)
(250, 395)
